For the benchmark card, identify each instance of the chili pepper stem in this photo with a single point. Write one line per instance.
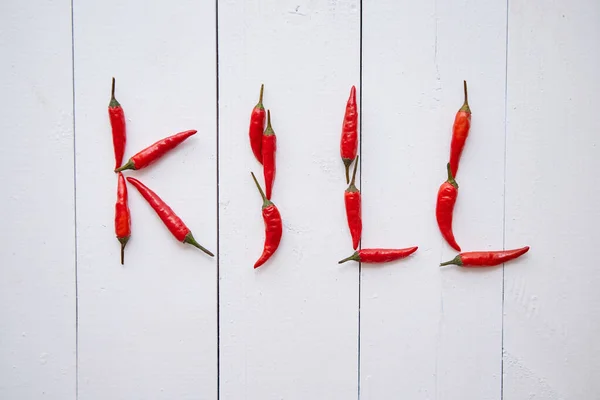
(113, 101)
(260, 97)
(455, 261)
(347, 163)
(451, 179)
(269, 128)
(352, 187)
(266, 202)
(128, 165)
(123, 244)
(189, 239)
(465, 107)
(353, 257)
(122, 254)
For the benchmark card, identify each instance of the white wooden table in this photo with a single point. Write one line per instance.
(175, 324)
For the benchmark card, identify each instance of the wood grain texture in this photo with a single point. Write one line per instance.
(288, 329)
(37, 254)
(148, 329)
(428, 332)
(552, 300)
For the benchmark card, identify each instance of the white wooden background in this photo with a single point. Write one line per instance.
(175, 324)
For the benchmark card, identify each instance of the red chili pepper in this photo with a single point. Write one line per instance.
(349, 142)
(117, 123)
(269, 147)
(122, 216)
(155, 151)
(460, 131)
(353, 210)
(486, 258)
(379, 255)
(273, 227)
(167, 215)
(257, 126)
(445, 208)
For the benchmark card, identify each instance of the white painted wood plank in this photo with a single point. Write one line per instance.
(428, 332)
(552, 302)
(37, 256)
(288, 329)
(148, 329)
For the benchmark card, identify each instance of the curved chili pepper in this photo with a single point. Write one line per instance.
(445, 208)
(460, 131)
(167, 215)
(155, 151)
(117, 123)
(349, 142)
(122, 216)
(486, 258)
(379, 255)
(352, 200)
(269, 147)
(257, 126)
(273, 227)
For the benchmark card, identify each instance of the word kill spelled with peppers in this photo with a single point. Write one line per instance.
(352, 195)
(448, 193)
(140, 160)
(263, 143)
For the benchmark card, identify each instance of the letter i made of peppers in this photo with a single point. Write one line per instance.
(263, 143)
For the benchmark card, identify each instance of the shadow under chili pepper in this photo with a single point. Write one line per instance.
(391, 264)
(470, 271)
